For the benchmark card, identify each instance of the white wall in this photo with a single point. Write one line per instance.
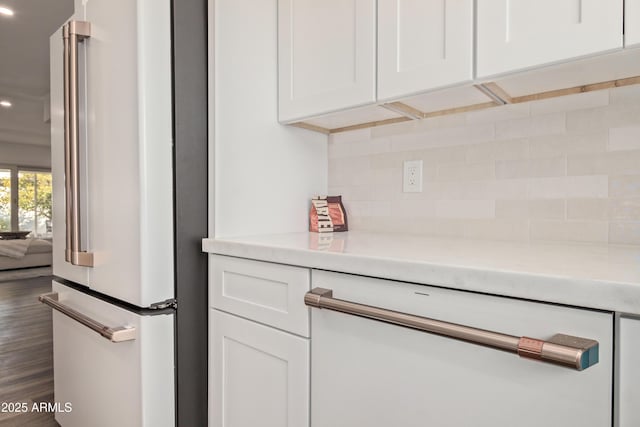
(563, 169)
(265, 173)
(25, 155)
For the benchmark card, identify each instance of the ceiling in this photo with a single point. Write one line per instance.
(24, 67)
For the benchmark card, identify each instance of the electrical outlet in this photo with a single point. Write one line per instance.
(412, 176)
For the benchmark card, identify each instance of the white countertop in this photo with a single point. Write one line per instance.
(597, 276)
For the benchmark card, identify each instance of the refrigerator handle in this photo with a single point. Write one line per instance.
(113, 334)
(73, 32)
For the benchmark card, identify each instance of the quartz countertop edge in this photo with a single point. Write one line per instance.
(600, 277)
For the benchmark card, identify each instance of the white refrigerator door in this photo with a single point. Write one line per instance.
(101, 383)
(125, 98)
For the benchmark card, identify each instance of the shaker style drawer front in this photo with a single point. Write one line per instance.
(376, 373)
(268, 293)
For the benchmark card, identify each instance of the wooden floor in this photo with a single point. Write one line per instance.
(26, 351)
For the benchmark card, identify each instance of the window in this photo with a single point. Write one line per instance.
(5, 200)
(34, 202)
(25, 201)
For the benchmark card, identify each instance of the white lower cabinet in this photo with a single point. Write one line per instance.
(375, 374)
(629, 373)
(259, 376)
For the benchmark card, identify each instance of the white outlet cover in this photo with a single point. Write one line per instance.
(412, 176)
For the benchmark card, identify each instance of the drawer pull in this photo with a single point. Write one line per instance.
(568, 351)
(113, 334)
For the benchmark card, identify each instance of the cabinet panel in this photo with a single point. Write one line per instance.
(267, 293)
(629, 373)
(515, 34)
(259, 376)
(368, 373)
(423, 45)
(326, 57)
(631, 22)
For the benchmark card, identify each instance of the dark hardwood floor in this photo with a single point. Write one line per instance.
(26, 352)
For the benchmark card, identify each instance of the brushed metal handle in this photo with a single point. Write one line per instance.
(568, 351)
(73, 32)
(113, 334)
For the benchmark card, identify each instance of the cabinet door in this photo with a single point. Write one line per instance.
(631, 22)
(375, 374)
(326, 56)
(515, 34)
(423, 45)
(259, 376)
(628, 373)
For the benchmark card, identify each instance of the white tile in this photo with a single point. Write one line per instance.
(624, 186)
(367, 208)
(554, 166)
(547, 124)
(570, 102)
(571, 143)
(502, 229)
(624, 209)
(624, 138)
(442, 155)
(350, 136)
(547, 209)
(413, 208)
(466, 172)
(534, 209)
(443, 137)
(587, 209)
(611, 163)
(587, 186)
(568, 187)
(338, 150)
(465, 208)
(576, 231)
(603, 117)
(504, 112)
(625, 95)
(512, 149)
(625, 233)
(547, 188)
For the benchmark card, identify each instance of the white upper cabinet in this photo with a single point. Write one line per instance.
(326, 56)
(631, 22)
(516, 34)
(423, 45)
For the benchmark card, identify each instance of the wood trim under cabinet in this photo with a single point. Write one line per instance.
(412, 113)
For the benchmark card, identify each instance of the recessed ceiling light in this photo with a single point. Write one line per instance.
(5, 104)
(6, 11)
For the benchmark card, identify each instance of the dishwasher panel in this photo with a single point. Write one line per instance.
(369, 373)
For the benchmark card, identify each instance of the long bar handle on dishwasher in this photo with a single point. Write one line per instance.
(568, 351)
(73, 32)
(113, 334)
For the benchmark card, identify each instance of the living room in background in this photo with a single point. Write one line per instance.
(25, 200)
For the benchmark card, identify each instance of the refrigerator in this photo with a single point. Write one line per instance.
(115, 234)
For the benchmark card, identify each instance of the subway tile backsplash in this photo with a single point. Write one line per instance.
(562, 169)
